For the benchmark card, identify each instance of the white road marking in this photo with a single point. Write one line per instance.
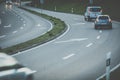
(72, 40)
(19, 53)
(21, 27)
(7, 26)
(38, 25)
(24, 24)
(78, 23)
(90, 44)
(65, 32)
(21, 19)
(2, 36)
(98, 37)
(100, 31)
(67, 57)
(113, 69)
(15, 32)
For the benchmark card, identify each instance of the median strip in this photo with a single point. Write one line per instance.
(59, 27)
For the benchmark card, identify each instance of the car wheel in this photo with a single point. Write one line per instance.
(30, 77)
(88, 19)
(110, 27)
(96, 27)
(85, 19)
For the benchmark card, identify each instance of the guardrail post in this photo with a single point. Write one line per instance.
(108, 61)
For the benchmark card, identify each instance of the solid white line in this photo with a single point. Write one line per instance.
(72, 40)
(67, 57)
(98, 37)
(90, 44)
(2, 36)
(65, 32)
(44, 43)
(15, 32)
(113, 69)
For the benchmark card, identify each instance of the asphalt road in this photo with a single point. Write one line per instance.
(78, 54)
(17, 26)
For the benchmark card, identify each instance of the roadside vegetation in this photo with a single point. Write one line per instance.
(58, 28)
(110, 7)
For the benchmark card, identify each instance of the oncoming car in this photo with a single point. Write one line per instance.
(8, 4)
(103, 21)
(10, 69)
(92, 12)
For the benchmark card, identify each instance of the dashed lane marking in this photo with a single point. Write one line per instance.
(21, 27)
(100, 31)
(98, 37)
(15, 32)
(38, 25)
(67, 57)
(90, 44)
(2, 36)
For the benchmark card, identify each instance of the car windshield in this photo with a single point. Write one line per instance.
(95, 9)
(103, 17)
(16, 66)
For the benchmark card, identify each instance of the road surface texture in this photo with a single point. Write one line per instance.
(17, 26)
(78, 54)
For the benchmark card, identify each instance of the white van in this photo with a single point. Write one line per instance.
(92, 12)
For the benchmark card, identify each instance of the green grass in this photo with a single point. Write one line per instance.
(58, 28)
(78, 8)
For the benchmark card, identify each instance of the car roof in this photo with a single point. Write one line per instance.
(7, 60)
(103, 15)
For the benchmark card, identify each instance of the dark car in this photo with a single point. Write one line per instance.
(103, 21)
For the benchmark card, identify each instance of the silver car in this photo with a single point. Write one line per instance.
(11, 70)
(103, 21)
(92, 12)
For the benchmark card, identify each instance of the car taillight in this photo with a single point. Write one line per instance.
(110, 20)
(89, 12)
(97, 20)
(101, 11)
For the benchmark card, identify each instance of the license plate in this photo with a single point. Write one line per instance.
(103, 23)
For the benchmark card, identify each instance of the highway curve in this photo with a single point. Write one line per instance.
(78, 54)
(17, 26)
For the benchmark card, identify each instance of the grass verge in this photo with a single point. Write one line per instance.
(58, 28)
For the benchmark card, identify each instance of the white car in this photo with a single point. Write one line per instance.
(10, 69)
(92, 12)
